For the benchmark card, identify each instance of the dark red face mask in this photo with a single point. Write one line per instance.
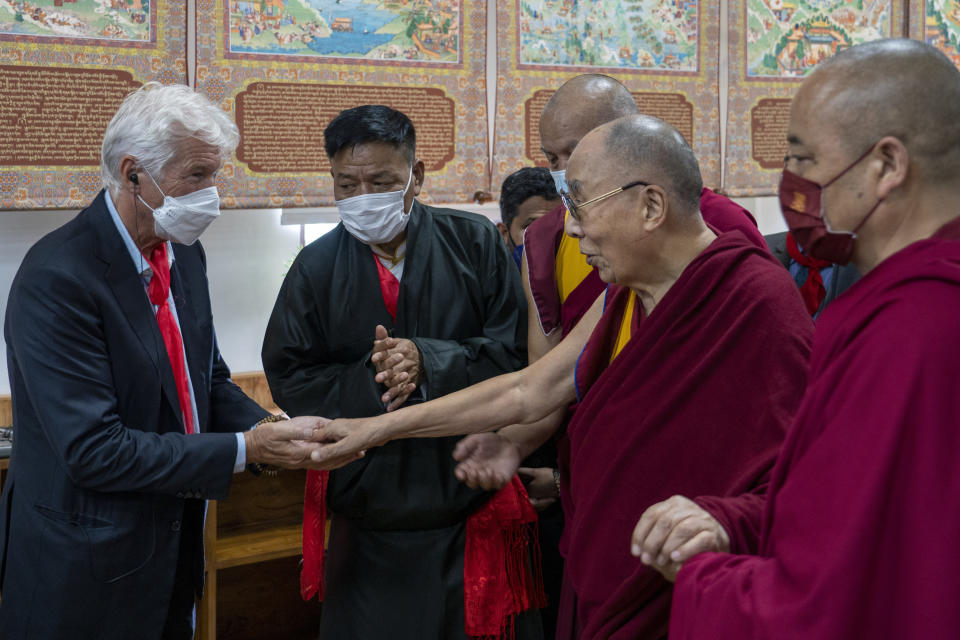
(801, 203)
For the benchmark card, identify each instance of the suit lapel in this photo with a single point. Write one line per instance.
(122, 277)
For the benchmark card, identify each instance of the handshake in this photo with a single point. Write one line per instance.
(308, 442)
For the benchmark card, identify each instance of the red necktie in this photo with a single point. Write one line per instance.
(159, 292)
(812, 289)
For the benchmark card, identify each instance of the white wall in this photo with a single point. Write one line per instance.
(767, 213)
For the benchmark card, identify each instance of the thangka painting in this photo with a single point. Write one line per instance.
(101, 21)
(774, 44)
(937, 22)
(319, 29)
(665, 51)
(285, 68)
(622, 34)
(65, 66)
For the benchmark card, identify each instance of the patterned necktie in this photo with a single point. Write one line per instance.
(158, 291)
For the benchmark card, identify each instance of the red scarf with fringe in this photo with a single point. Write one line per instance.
(501, 565)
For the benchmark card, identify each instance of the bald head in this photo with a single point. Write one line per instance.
(579, 105)
(590, 100)
(901, 88)
(653, 151)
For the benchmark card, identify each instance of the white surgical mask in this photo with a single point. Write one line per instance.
(375, 218)
(560, 180)
(182, 219)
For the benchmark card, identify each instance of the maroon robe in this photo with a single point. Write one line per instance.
(860, 528)
(698, 401)
(542, 240)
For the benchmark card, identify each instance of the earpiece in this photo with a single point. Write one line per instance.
(134, 178)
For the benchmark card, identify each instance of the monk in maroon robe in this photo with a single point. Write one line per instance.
(560, 285)
(859, 531)
(678, 384)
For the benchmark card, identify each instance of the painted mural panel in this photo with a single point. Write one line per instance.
(365, 29)
(628, 34)
(666, 52)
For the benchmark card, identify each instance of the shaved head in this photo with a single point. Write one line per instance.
(652, 150)
(591, 100)
(901, 88)
(581, 104)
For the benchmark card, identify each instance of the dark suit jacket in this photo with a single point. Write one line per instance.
(843, 275)
(102, 477)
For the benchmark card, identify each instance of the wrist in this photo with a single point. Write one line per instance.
(385, 428)
(518, 446)
(250, 443)
(256, 461)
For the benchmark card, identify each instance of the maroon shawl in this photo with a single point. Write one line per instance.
(697, 402)
(860, 528)
(542, 240)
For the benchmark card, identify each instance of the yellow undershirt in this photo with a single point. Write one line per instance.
(571, 266)
(626, 328)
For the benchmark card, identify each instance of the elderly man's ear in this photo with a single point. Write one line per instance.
(654, 203)
(129, 169)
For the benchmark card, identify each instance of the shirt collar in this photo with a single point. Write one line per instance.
(143, 267)
(395, 259)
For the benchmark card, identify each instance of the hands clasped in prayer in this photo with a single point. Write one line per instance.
(397, 361)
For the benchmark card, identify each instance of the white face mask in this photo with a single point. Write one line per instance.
(182, 219)
(375, 218)
(560, 180)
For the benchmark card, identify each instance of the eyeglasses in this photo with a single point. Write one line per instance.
(575, 209)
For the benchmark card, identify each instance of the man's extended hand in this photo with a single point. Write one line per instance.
(671, 532)
(285, 443)
(487, 461)
(397, 361)
(341, 442)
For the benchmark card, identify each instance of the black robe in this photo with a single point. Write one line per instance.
(394, 566)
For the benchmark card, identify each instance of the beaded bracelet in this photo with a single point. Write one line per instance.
(258, 468)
